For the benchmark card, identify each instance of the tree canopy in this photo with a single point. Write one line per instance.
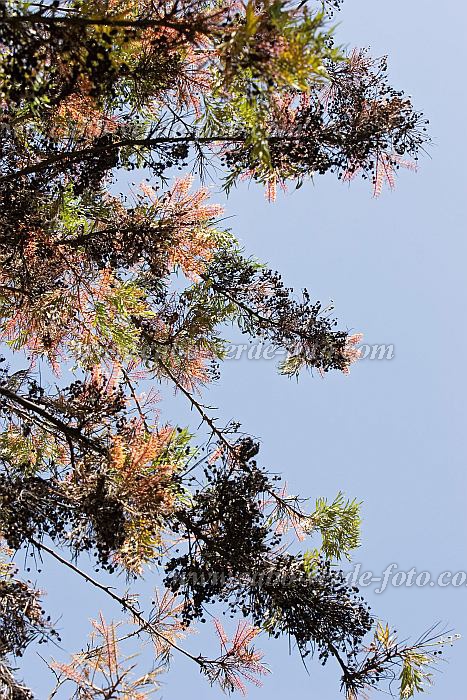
(135, 287)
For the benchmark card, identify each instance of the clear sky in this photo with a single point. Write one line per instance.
(393, 433)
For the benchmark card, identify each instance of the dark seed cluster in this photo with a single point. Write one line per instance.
(86, 518)
(317, 609)
(232, 559)
(21, 617)
(346, 127)
(228, 532)
(268, 310)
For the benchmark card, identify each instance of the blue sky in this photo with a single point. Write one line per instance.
(393, 432)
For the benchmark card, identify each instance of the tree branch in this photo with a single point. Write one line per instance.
(145, 624)
(68, 430)
(72, 156)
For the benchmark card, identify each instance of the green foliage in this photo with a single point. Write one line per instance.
(73, 214)
(414, 676)
(114, 317)
(338, 524)
(311, 561)
(27, 452)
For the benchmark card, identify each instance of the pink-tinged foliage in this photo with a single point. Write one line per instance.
(385, 171)
(239, 660)
(102, 671)
(193, 214)
(351, 352)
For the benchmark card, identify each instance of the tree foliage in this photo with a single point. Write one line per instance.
(135, 287)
